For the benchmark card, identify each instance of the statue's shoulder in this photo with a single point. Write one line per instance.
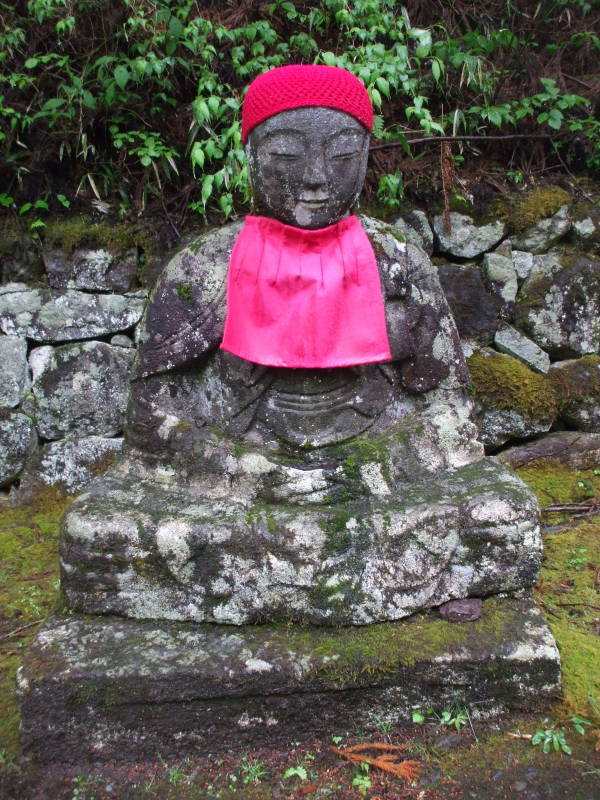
(186, 311)
(399, 261)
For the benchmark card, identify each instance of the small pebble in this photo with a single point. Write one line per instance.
(448, 742)
(467, 610)
(519, 786)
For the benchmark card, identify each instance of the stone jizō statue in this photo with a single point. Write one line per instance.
(299, 438)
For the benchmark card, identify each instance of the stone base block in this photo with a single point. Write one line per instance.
(108, 688)
(136, 547)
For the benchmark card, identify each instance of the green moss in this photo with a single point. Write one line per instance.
(567, 586)
(554, 484)
(29, 581)
(535, 205)
(502, 382)
(343, 655)
(184, 290)
(73, 232)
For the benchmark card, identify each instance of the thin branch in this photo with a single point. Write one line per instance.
(460, 139)
(577, 80)
(22, 628)
(570, 174)
(587, 605)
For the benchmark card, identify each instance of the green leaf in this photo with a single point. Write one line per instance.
(328, 58)
(121, 76)
(53, 103)
(31, 63)
(375, 97)
(197, 155)
(207, 187)
(298, 772)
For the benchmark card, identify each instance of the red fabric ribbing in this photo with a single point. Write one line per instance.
(305, 298)
(300, 85)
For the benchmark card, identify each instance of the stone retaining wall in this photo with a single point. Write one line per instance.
(527, 306)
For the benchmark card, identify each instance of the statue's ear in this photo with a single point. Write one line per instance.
(250, 156)
(362, 168)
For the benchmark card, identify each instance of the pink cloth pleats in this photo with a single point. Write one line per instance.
(304, 298)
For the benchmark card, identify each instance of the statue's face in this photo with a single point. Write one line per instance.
(307, 165)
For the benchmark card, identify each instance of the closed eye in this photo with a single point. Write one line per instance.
(344, 156)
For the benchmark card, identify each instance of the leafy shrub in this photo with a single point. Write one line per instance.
(135, 103)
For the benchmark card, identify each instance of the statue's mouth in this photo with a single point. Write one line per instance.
(314, 203)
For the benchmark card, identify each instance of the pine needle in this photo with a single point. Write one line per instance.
(387, 761)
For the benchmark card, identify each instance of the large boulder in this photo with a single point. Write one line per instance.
(475, 311)
(513, 343)
(19, 304)
(69, 464)
(14, 376)
(512, 401)
(501, 275)
(558, 305)
(80, 389)
(18, 440)
(464, 238)
(415, 228)
(91, 269)
(571, 449)
(578, 383)
(69, 316)
(77, 315)
(540, 236)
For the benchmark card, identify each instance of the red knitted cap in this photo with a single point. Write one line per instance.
(300, 85)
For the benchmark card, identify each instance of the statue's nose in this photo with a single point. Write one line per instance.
(315, 173)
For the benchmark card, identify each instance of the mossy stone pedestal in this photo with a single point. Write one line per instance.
(110, 688)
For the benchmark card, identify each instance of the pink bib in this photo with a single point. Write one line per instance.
(304, 298)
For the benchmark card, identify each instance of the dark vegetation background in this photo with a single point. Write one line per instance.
(132, 106)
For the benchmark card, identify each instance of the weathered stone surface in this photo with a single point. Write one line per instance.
(80, 389)
(475, 311)
(540, 237)
(501, 276)
(578, 381)
(498, 426)
(91, 269)
(469, 610)
(121, 340)
(14, 374)
(69, 464)
(465, 239)
(77, 315)
(297, 410)
(559, 305)
(17, 441)
(523, 263)
(512, 342)
(586, 226)
(119, 690)
(19, 257)
(572, 449)
(141, 547)
(19, 304)
(416, 229)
